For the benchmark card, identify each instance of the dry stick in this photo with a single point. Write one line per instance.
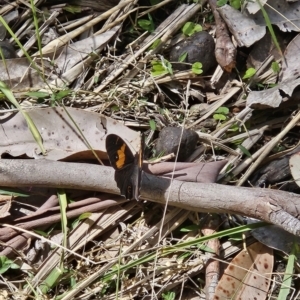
(6, 234)
(269, 147)
(21, 239)
(273, 206)
(212, 270)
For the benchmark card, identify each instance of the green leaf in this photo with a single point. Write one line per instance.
(235, 4)
(169, 67)
(62, 94)
(190, 28)
(269, 25)
(147, 25)
(37, 95)
(222, 110)
(72, 9)
(219, 117)
(244, 150)
(13, 193)
(6, 264)
(161, 67)
(189, 228)
(275, 67)
(288, 274)
(182, 57)
(221, 2)
(34, 131)
(81, 217)
(84, 216)
(115, 108)
(234, 128)
(249, 73)
(62, 199)
(155, 44)
(197, 68)
(152, 125)
(236, 237)
(168, 296)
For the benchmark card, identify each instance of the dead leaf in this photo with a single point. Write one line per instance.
(253, 7)
(290, 70)
(245, 30)
(19, 75)
(76, 52)
(281, 13)
(5, 204)
(248, 275)
(60, 136)
(272, 98)
(295, 167)
(276, 238)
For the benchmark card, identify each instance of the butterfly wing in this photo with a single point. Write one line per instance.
(124, 162)
(118, 152)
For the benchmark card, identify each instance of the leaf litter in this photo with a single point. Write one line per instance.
(96, 65)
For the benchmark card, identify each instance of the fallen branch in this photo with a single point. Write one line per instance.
(273, 206)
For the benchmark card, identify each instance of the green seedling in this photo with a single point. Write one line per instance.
(161, 67)
(221, 114)
(147, 25)
(197, 68)
(249, 73)
(190, 28)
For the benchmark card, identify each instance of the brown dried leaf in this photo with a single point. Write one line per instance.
(248, 275)
(60, 136)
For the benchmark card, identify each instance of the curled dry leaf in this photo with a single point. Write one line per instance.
(225, 51)
(248, 275)
(61, 138)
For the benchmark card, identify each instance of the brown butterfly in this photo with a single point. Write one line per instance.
(128, 167)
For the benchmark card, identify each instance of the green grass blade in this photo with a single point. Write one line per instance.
(269, 25)
(62, 198)
(288, 276)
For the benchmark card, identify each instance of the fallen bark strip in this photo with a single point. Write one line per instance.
(273, 206)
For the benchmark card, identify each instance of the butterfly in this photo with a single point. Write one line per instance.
(128, 166)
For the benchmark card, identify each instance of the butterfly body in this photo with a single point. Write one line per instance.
(127, 166)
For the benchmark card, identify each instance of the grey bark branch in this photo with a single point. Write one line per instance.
(273, 206)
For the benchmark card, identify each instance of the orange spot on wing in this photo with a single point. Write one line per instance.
(121, 157)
